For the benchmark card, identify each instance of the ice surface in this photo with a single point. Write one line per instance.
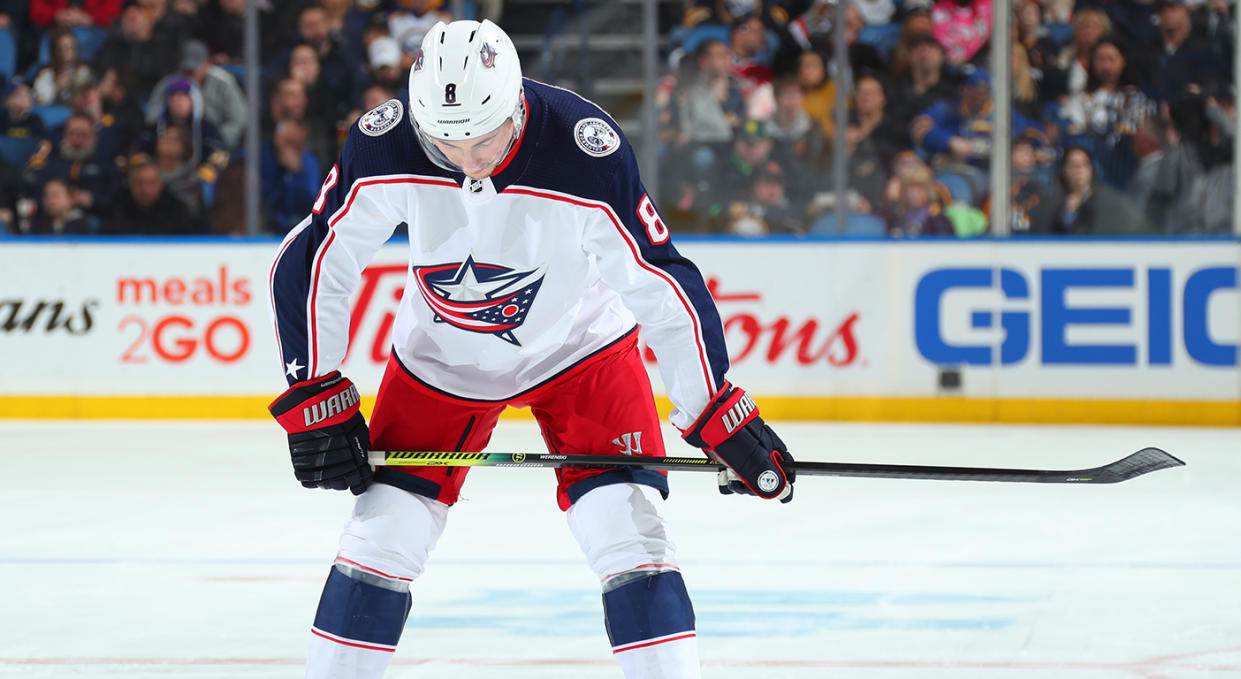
(187, 550)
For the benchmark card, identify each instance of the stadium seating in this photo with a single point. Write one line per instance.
(856, 225)
(1060, 34)
(702, 33)
(685, 41)
(15, 152)
(882, 37)
(89, 40)
(960, 186)
(52, 116)
(8, 54)
(238, 71)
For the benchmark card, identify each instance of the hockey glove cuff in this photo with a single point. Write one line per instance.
(731, 432)
(328, 438)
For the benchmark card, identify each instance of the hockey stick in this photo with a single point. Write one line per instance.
(1142, 462)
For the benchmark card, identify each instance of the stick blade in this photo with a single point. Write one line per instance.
(1142, 462)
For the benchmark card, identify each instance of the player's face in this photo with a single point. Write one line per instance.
(478, 158)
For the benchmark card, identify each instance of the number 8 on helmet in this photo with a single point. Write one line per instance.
(454, 102)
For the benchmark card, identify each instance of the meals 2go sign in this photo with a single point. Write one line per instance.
(1006, 315)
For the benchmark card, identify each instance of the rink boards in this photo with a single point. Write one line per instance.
(1032, 331)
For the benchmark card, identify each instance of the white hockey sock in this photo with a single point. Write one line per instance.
(358, 624)
(339, 659)
(673, 658)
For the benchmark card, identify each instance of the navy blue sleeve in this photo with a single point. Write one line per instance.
(663, 289)
(320, 262)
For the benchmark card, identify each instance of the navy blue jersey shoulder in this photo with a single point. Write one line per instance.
(579, 150)
(394, 150)
(559, 162)
(548, 158)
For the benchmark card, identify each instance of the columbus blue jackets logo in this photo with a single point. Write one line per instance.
(418, 62)
(485, 298)
(595, 137)
(488, 55)
(381, 118)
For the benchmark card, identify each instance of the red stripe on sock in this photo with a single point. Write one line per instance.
(350, 643)
(622, 649)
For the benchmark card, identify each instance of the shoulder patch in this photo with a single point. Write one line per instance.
(595, 137)
(381, 118)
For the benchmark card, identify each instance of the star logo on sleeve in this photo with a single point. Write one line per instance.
(292, 368)
(483, 298)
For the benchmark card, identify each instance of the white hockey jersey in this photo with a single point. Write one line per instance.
(513, 279)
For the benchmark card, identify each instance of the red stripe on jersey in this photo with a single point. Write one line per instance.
(637, 255)
(353, 193)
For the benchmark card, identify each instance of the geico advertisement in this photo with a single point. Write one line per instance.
(1156, 320)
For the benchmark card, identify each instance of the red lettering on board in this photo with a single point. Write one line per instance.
(751, 332)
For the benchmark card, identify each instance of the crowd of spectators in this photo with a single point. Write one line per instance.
(129, 116)
(1123, 113)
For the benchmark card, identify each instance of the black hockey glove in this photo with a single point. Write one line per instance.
(731, 431)
(328, 438)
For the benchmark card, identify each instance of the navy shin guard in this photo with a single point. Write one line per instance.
(649, 610)
(362, 610)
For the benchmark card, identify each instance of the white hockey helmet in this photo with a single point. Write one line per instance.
(464, 84)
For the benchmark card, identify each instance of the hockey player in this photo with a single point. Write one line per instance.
(534, 254)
